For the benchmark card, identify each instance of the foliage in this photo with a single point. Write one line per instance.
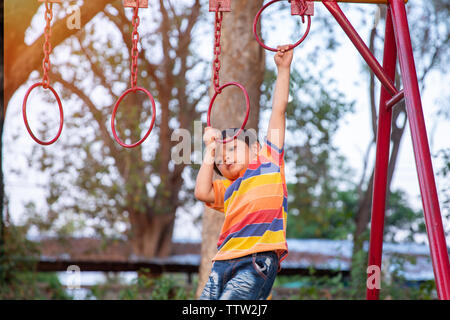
(146, 287)
(94, 185)
(339, 288)
(336, 222)
(358, 275)
(18, 276)
(444, 173)
(400, 216)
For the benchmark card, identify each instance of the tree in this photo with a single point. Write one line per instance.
(319, 177)
(21, 58)
(101, 186)
(242, 61)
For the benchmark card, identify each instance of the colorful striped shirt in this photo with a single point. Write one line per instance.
(255, 207)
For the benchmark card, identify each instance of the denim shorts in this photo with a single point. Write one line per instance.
(247, 278)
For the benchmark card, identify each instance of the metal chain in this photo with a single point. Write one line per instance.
(303, 8)
(134, 51)
(47, 45)
(217, 49)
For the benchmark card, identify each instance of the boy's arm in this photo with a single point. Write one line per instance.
(204, 189)
(277, 122)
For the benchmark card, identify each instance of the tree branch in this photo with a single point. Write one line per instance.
(19, 67)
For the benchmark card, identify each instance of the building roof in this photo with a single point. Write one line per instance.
(320, 254)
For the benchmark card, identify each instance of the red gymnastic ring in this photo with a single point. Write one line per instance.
(113, 118)
(247, 100)
(255, 23)
(25, 119)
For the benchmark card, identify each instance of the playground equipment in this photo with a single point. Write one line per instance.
(45, 78)
(301, 8)
(135, 4)
(397, 42)
(220, 6)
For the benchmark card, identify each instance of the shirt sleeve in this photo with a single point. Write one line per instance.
(273, 153)
(219, 195)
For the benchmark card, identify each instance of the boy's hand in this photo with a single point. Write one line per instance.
(210, 135)
(283, 57)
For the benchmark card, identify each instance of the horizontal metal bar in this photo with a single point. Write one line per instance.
(365, 52)
(158, 268)
(357, 1)
(132, 3)
(395, 99)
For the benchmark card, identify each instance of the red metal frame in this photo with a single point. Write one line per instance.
(132, 3)
(382, 157)
(219, 5)
(397, 28)
(216, 66)
(372, 62)
(395, 99)
(61, 114)
(135, 4)
(46, 65)
(398, 42)
(116, 107)
(247, 112)
(430, 202)
(296, 9)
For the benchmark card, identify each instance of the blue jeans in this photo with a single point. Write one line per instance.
(247, 278)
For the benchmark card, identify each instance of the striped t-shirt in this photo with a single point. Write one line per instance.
(255, 207)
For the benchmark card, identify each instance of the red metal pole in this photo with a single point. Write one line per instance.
(430, 202)
(395, 99)
(382, 158)
(372, 62)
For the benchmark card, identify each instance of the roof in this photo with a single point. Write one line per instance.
(320, 254)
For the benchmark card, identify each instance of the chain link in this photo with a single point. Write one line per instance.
(46, 65)
(217, 49)
(134, 51)
(303, 8)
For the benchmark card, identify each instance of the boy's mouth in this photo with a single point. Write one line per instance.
(228, 166)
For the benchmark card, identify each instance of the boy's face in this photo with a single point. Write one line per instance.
(233, 157)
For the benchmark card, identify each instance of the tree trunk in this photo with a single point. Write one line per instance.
(151, 235)
(242, 60)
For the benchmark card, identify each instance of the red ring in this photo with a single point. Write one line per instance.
(25, 119)
(113, 118)
(247, 100)
(255, 23)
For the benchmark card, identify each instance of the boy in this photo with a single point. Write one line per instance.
(253, 197)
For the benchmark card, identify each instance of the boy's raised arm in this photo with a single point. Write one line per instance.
(277, 122)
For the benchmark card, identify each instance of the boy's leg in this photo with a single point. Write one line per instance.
(214, 285)
(252, 278)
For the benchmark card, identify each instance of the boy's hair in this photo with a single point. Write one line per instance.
(247, 135)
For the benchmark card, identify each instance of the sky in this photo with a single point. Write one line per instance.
(351, 139)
